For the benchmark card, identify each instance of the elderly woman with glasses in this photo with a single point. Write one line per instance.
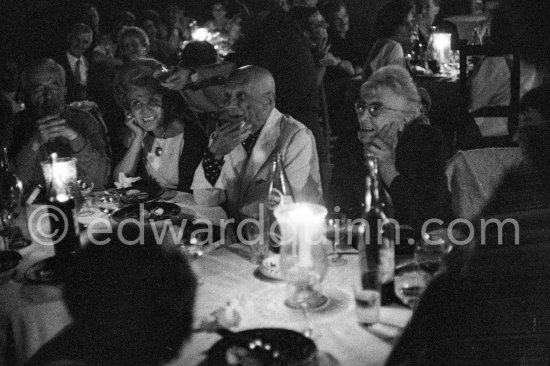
(165, 147)
(392, 31)
(409, 151)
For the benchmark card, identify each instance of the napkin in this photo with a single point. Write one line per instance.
(228, 316)
(124, 181)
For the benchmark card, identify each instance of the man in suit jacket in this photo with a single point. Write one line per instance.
(74, 62)
(235, 169)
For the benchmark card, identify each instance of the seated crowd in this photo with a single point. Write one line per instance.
(166, 108)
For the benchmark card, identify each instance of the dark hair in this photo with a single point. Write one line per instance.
(79, 28)
(390, 16)
(198, 53)
(330, 8)
(146, 290)
(301, 15)
(149, 14)
(142, 73)
(132, 31)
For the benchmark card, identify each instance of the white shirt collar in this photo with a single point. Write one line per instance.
(72, 60)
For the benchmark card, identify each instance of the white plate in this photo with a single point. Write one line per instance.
(86, 220)
(270, 268)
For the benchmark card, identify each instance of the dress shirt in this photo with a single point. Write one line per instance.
(83, 67)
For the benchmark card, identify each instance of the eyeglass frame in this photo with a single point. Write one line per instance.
(360, 110)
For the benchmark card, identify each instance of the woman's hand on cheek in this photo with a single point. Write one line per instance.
(137, 131)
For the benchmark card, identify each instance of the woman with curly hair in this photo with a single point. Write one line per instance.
(165, 147)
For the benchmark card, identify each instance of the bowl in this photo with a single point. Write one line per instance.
(8, 264)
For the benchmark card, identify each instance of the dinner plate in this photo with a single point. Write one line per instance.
(270, 268)
(139, 194)
(155, 211)
(293, 349)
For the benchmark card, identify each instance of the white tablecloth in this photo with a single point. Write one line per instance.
(33, 314)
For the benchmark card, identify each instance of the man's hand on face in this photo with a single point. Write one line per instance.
(228, 137)
(52, 127)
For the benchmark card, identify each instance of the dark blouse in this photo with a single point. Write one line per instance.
(418, 193)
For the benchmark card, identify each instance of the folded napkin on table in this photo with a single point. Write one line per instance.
(124, 181)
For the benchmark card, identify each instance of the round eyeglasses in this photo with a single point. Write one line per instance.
(374, 109)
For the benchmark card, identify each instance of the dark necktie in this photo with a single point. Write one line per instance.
(77, 76)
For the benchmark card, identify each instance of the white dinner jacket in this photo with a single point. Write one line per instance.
(244, 182)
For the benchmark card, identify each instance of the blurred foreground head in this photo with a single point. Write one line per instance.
(140, 294)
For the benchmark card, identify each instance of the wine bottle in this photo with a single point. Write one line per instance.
(11, 190)
(280, 193)
(64, 227)
(379, 235)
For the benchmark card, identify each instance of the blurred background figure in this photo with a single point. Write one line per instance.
(392, 32)
(337, 80)
(219, 21)
(133, 43)
(75, 63)
(9, 98)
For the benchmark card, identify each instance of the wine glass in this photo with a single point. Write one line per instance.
(336, 232)
(86, 187)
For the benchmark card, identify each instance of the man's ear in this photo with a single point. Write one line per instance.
(270, 97)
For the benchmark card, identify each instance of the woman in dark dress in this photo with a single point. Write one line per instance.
(410, 152)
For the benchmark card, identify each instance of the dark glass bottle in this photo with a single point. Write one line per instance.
(11, 191)
(379, 236)
(279, 193)
(64, 227)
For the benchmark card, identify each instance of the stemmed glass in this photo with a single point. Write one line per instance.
(303, 256)
(336, 231)
(86, 187)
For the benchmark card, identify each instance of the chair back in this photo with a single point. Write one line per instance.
(511, 112)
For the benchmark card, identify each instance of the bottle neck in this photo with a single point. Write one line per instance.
(4, 160)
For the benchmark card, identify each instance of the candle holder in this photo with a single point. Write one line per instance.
(303, 260)
(60, 177)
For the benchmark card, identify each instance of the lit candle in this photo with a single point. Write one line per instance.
(442, 47)
(200, 34)
(302, 226)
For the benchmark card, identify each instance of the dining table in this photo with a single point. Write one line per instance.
(32, 313)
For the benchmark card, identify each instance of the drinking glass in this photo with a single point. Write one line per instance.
(336, 233)
(410, 281)
(86, 187)
(259, 241)
(432, 249)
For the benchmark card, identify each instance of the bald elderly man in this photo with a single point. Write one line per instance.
(235, 170)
